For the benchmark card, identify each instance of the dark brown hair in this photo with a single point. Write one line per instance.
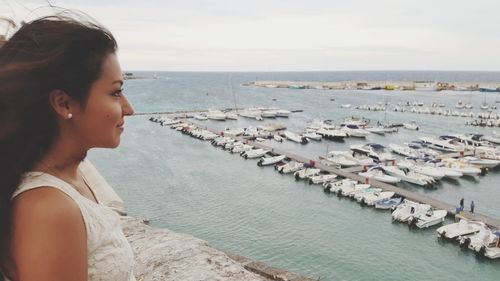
(51, 53)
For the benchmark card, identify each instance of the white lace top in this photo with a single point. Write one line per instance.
(110, 256)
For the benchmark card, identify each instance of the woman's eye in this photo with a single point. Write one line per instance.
(117, 93)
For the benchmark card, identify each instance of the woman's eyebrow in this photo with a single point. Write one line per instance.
(118, 81)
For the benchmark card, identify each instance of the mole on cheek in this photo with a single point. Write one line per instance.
(107, 115)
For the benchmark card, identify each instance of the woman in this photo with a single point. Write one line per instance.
(60, 95)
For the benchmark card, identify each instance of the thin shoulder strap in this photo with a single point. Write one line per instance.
(32, 180)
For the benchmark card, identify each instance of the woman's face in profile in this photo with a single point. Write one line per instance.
(101, 122)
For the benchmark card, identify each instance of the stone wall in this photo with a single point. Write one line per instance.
(164, 255)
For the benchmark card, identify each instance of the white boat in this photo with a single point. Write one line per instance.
(200, 117)
(493, 139)
(485, 242)
(377, 130)
(448, 172)
(340, 160)
(221, 141)
(282, 113)
(459, 104)
(347, 105)
(278, 138)
(266, 161)
(373, 198)
(268, 113)
(388, 203)
(442, 144)
(482, 163)
(169, 122)
(241, 148)
(411, 126)
(455, 230)
(179, 126)
(377, 174)
(234, 132)
(312, 136)
(418, 146)
(418, 166)
(471, 141)
(428, 219)
(216, 115)
(354, 131)
(231, 116)
(230, 145)
(404, 150)
(372, 150)
(361, 122)
(252, 114)
(332, 134)
(408, 210)
(254, 153)
(464, 168)
(290, 167)
(349, 191)
(408, 175)
(346, 159)
(360, 194)
(320, 179)
(337, 187)
(306, 173)
(488, 153)
(295, 138)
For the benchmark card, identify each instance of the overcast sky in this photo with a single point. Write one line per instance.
(287, 35)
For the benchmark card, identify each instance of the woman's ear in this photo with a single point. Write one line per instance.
(62, 104)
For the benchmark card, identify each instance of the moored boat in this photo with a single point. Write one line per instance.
(266, 161)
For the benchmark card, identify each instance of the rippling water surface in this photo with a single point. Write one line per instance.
(189, 186)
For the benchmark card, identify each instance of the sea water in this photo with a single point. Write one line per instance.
(189, 186)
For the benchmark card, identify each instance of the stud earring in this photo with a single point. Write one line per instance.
(69, 116)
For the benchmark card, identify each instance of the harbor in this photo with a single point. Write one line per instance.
(253, 211)
(350, 172)
(368, 188)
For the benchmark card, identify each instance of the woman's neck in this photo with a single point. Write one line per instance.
(62, 160)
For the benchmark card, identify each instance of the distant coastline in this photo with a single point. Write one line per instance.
(130, 76)
(380, 85)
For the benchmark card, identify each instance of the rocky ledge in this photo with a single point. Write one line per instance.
(161, 254)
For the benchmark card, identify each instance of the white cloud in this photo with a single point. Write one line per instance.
(299, 34)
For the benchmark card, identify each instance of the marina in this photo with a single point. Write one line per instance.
(349, 173)
(242, 208)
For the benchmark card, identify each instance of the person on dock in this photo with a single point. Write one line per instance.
(472, 206)
(462, 204)
(60, 96)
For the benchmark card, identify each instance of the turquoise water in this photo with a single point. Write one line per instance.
(189, 186)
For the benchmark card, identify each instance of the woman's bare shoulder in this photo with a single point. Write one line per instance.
(49, 237)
